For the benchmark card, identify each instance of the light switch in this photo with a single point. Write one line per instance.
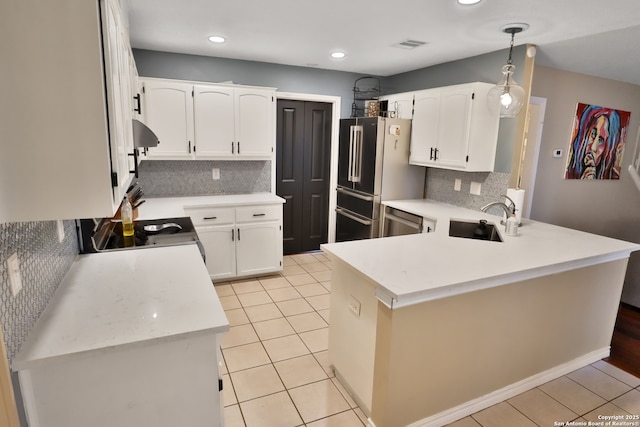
(476, 188)
(457, 184)
(13, 266)
(215, 173)
(60, 227)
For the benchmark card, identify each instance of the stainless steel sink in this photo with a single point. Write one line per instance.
(480, 230)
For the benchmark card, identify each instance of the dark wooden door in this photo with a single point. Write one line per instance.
(302, 172)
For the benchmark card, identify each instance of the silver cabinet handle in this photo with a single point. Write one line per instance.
(353, 217)
(356, 195)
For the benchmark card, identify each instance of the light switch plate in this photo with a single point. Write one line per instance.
(476, 188)
(354, 306)
(457, 184)
(215, 173)
(60, 227)
(13, 266)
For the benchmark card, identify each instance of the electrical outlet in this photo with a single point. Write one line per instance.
(354, 306)
(215, 173)
(476, 188)
(457, 184)
(13, 266)
(60, 226)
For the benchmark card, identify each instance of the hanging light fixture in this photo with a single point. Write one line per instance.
(507, 96)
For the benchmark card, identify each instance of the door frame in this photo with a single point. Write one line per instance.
(534, 153)
(335, 136)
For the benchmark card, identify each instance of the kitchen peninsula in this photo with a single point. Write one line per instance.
(427, 328)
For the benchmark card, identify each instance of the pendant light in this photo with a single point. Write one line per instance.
(507, 96)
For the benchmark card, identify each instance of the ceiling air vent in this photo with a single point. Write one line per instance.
(409, 44)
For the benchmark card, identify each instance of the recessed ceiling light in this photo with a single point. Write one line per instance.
(217, 39)
(468, 2)
(338, 55)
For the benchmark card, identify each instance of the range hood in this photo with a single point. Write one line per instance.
(143, 137)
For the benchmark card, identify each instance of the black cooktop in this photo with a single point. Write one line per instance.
(107, 234)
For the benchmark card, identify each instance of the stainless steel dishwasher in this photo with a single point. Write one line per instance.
(398, 223)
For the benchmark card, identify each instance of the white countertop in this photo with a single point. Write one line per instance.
(422, 267)
(171, 207)
(120, 298)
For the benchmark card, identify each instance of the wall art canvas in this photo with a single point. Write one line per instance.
(597, 143)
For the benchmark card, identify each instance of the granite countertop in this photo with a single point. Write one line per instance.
(421, 267)
(114, 299)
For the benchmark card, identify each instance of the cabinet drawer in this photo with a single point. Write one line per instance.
(211, 216)
(259, 213)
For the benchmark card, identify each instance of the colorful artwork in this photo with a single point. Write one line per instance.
(597, 143)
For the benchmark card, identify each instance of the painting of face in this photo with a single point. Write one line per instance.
(597, 143)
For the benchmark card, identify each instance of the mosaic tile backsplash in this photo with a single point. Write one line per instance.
(43, 264)
(440, 184)
(170, 178)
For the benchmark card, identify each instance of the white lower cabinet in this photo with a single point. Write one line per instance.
(240, 241)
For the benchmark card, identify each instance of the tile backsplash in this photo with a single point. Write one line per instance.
(169, 178)
(43, 264)
(440, 187)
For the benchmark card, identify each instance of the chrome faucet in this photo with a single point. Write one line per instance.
(507, 210)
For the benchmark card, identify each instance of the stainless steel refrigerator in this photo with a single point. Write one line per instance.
(373, 166)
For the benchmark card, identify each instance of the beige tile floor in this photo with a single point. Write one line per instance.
(276, 371)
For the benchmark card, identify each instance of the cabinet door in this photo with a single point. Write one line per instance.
(214, 122)
(259, 248)
(454, 123)
(424, 128)
(119, 98)
(255, 116)
(220, 252)
(401, 105)
(169, 113)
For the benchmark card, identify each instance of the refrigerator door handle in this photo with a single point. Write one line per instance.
(351, 139)
(341, 211)
(357, 158)
(356, 195)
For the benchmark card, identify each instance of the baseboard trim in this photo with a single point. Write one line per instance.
(475, 405)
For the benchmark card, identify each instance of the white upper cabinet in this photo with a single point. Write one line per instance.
(255, 122)
(424, 127)
(399, 105)
(209, 121)
(168, 111)
(453, 128)
(65, 109)
(214, 120)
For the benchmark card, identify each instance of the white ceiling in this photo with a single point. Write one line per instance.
(588, 36)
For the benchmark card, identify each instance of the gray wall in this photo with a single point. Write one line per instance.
(606, 207)
(283, 77)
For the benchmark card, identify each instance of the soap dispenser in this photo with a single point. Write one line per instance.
(511, 226)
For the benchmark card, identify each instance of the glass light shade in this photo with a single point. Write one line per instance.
(506, 97)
